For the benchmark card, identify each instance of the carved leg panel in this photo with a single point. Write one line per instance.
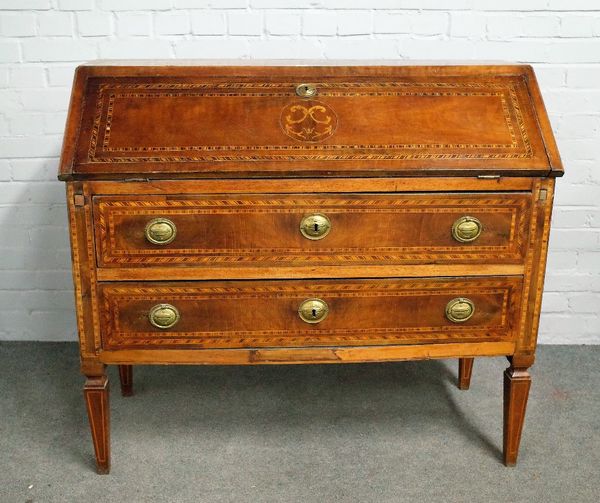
(96, 394)
(126, 378)
(465, 369)
(517, 382)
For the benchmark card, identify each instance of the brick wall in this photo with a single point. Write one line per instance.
(43, 40)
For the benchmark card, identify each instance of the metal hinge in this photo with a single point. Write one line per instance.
(543, 194)
(488, 177)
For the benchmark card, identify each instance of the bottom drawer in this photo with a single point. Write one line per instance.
(247, 314)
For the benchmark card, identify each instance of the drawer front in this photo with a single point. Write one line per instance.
(250, 314)
(303, 229)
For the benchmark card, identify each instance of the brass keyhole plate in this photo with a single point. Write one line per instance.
(315, 226)
(313, 310)
(306, 90)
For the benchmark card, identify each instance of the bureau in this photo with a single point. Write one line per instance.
(306, 212)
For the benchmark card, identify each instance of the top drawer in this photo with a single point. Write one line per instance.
(303, 229)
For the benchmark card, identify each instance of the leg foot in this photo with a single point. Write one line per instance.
(95, 392)
(465, 369)
(517, 382)
(126, 377)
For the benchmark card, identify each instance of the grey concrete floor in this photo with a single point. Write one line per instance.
(326, 433)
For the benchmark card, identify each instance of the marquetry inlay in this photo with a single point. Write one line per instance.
(316, 123)
(122, 329)
(307, 212)
(310, 121)
(112, 211)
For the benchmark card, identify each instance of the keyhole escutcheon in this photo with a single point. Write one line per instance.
(313, 310)
(315, 226)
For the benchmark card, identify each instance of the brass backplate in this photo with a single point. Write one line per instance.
(160, 231)
(460, 310)
(163, 316)
(466, 229)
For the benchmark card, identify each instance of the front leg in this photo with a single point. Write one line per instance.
(517, 382)
(96, 393)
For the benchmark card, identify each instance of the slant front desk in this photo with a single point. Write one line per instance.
(303, 212)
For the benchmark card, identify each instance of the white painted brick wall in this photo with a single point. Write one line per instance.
(41, 42)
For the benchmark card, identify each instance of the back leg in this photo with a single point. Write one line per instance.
(126, 377)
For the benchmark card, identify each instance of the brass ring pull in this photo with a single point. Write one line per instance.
(160, 231)
(306, 90)
(315, 226)
(313, 310)
(163, 316)
(460, 310)
(466, 229)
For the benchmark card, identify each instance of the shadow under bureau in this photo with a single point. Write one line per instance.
(306, 212)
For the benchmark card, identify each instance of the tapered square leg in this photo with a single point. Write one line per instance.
(96, 393)
(465, 369)
(517, 382)
(126, 378)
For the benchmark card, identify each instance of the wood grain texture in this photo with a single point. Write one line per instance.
(83, 270)
(76, 264)
(96, 393)
(465, 370)
(264, 314)
(211, 272)
(544, 124)
(71, 135)
(517, 383)
(294, 356)
(229, 152)
(241, 114)
(266, 229)
(92, 271)
(249, 109)
(536, 264)
(146, 186)
(126, 379)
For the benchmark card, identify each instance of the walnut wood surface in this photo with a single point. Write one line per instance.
(229, 152)
(366, 229)
(517, 383)
(96, 393)
(294, 356)
(535, 269)
(211, 272)
(237, 121)
(265, 314)
(126, 379)
(147, 186)
(465, 369)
